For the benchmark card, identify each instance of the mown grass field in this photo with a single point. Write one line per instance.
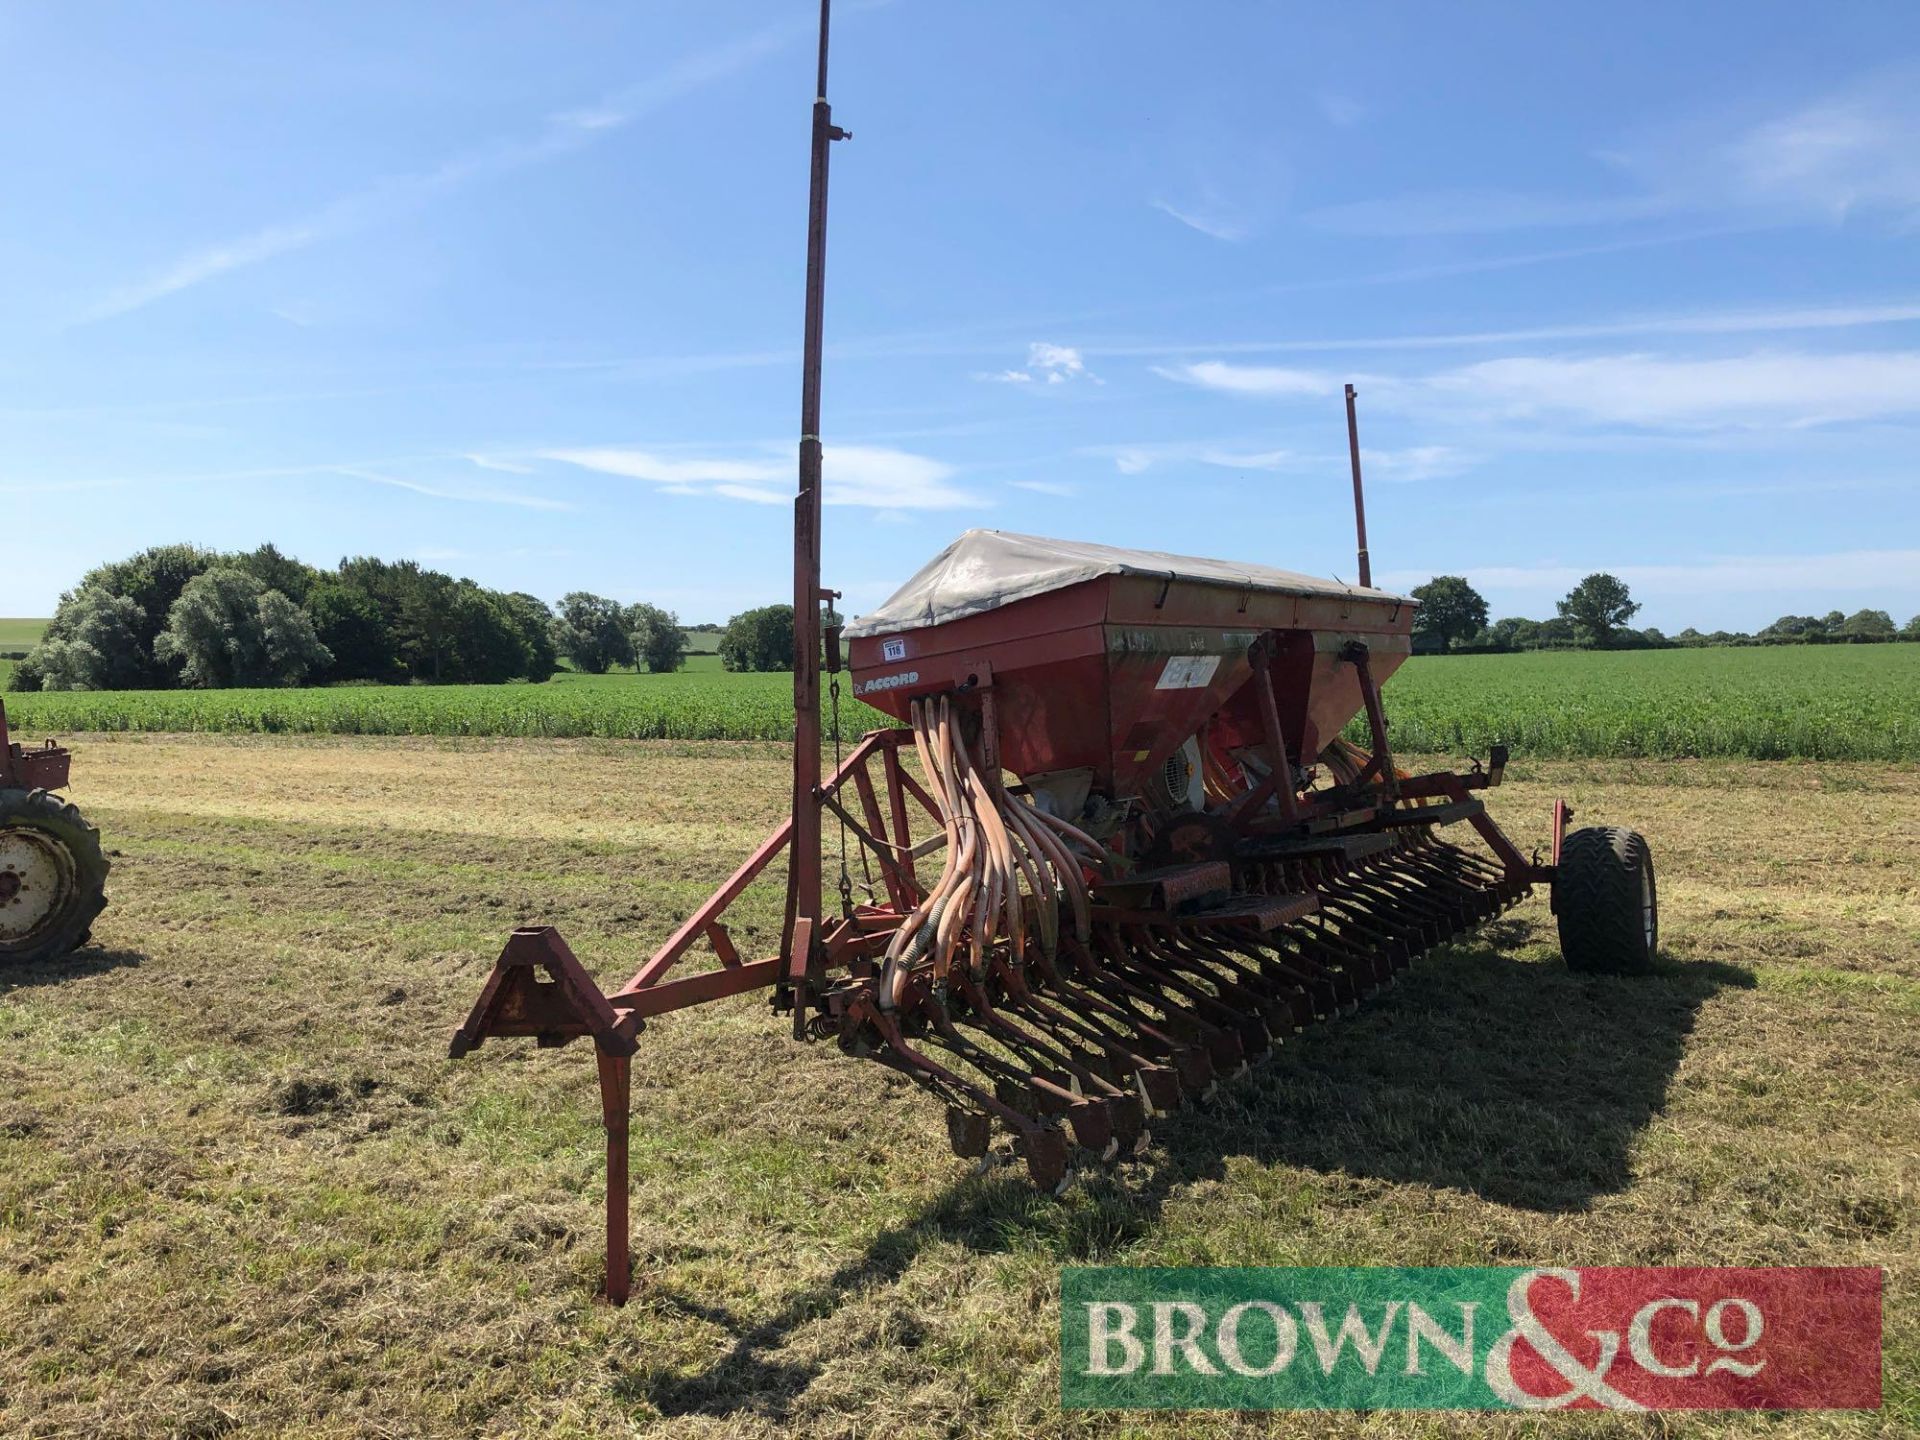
(242, 1190)
(1858, 702)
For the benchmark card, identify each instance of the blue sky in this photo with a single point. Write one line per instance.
(516, 290)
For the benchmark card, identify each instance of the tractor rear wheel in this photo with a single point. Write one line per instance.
(1604, 895)
(52, 876)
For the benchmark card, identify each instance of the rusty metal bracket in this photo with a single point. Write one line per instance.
(564, 1007)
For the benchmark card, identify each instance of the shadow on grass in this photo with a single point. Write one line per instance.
(16, 975)
(1517, 1082)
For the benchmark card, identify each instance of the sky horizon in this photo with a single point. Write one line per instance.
(517, 293)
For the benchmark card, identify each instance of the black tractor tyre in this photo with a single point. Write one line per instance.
(53, 877)
(1604, 896)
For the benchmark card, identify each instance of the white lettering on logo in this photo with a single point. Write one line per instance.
(1165, 1342)
(1640, 1338)
(1422, 1326)
(1353, 1330)
(1110, 1323)
(1286, 1337)
(1716, 1332)
(1188, 672)
(1526, 1326)
(888, 682)
(1592, 1383)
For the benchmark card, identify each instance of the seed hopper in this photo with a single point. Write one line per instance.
(1116, 848)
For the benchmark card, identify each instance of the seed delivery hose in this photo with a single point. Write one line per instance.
(1009, 866)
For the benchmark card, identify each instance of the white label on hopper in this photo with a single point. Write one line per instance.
(1188, 672)
(892, 650)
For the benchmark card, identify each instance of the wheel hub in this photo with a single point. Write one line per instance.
(36, 878)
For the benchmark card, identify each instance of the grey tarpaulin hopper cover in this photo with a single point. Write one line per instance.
(985, 569)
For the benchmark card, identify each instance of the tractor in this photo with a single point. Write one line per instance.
(53, 873)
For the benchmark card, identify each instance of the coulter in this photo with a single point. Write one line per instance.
(1115, 850)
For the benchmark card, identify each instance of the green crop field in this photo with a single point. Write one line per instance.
(699, 662)
(16, 634)
(691, 705)
(1859, 702)
(1854, 702)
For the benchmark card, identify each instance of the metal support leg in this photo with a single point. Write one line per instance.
(615, 1104)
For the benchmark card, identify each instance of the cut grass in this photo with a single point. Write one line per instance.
(241, 1189)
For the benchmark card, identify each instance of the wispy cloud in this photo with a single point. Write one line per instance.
(1417, 462)
(1474, 212)
(1648, 390)
(506, 467)
(562, 134)
(1059, 363)
(1047, 363)
(885, 478)
(1489, 264)
(1247, 459)
(1211, 216)
(462, 493)
(216, 260)
(1247, 379)
(1214, 174)
(1057, 488)
(1857, 151)
(1852, 153)
(1722, 322)
(43, 486)
(873, 476)
(686, 474)
(1765, 389)
(303, 313)
(1138, 459)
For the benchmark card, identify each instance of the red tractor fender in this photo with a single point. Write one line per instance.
(44, 768)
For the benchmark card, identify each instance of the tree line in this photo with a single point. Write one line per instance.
(1453, 617)
(182, 616)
